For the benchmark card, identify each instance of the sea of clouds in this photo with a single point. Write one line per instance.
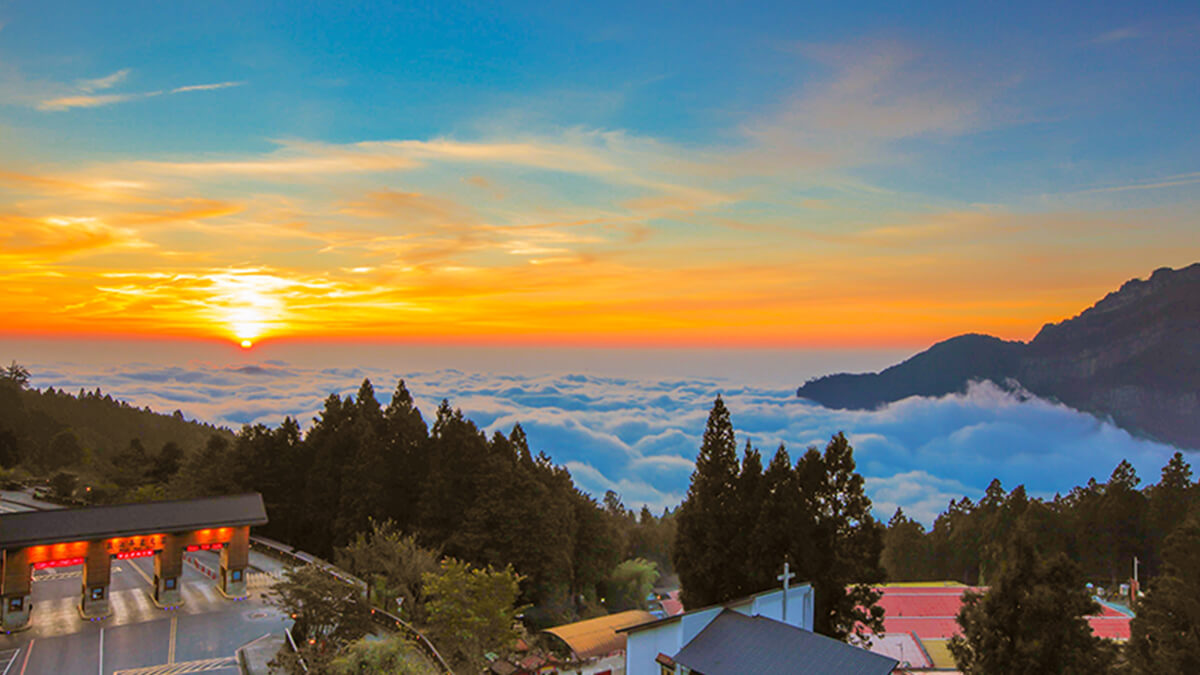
(639, 435)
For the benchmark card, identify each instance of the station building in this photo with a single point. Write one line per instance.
(95, 536)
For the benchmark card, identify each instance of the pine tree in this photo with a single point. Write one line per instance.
(1167, 505)
(702, 552)
(1166, 632)
(748, 500)
(841, 556)
(1032, 618)
(905, 549)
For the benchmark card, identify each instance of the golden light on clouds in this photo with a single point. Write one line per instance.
(586, 238)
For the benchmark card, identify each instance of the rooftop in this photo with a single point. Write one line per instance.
(18, 530)
(735, 643)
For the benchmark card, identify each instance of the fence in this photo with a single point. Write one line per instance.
(383, 619)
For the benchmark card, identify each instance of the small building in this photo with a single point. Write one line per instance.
(596, 646)
(734, 643)
(650, 644)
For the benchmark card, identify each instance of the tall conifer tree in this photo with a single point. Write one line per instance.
(702, 551)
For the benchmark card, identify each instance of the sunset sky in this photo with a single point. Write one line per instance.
(637, 174)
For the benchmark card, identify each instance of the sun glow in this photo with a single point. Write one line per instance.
(248, 303)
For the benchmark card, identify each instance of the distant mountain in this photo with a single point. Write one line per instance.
(1134, 356)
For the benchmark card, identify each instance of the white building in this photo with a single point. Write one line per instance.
(667, 637)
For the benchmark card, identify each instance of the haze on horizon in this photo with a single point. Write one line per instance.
(617, 175)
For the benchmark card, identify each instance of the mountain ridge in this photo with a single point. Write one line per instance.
(1133, 357)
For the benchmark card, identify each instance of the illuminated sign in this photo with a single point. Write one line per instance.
(65, 562)
(126, 555)
(149, 542)
(205, 547)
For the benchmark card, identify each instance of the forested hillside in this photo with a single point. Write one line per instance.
(1102, 526)
(489, 501)
(44, 430)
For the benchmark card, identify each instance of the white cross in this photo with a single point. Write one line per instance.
(785, 578)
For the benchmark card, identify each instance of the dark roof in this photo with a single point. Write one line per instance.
(18, 530)
(735, 643)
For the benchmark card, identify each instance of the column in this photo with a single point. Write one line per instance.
(97, 572)
(235, 557)
(168, 568)
(15, 588)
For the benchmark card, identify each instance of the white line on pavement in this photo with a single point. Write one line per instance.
(101, 668)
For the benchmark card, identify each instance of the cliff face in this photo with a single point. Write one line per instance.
(1134, 356)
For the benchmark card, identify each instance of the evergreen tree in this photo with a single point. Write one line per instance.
(905, 549)
(748, 501)
(841, 558)
(1032, 618)
(1166, 632)
(1167, 506)
(407, 438)
(702, 554)
(779, 521)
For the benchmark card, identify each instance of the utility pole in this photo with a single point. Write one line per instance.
(785, 578)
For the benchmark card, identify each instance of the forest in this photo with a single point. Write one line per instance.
(364, 477)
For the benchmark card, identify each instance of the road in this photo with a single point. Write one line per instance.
(139, 638)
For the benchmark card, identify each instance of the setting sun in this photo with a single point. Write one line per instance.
(246, 344)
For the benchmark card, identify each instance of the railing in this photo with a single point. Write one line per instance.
(292, 643)
(392, 622)
(297, 558)
(381, 617)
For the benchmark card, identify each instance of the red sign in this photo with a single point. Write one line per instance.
(126, 555)
(65, 562)
(205, 547)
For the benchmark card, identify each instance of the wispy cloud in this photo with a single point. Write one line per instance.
(1117, 35)
(1148, 184)
(106, 82)
(89, 101)
(84, 95)
(206, 87)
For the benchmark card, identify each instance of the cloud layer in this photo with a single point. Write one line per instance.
(639, 436)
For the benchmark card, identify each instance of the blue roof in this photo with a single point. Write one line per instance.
(735, 643)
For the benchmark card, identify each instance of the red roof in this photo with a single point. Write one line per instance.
(929, 613)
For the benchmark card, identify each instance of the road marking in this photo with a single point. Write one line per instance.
(182, 668)
(101, 668)
(171, 644)
(28, 651)
(12, 657)
(142, 574)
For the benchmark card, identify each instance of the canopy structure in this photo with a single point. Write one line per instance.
(36, 528)
(598, 637)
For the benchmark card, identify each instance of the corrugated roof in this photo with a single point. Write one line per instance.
(735, 643)
(597, 637)
(18, 530)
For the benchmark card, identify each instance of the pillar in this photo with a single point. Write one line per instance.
(168, 568)
(235, 557)
(15, 585)
(97, 572)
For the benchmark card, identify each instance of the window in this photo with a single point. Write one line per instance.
(97, 592)
(236, 575)
(666, 670)
(169, 583)
(15, 604)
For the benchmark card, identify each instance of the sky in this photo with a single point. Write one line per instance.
(687, 197)
(615, 174)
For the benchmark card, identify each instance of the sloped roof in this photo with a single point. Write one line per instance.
(735, 643)
(597, 637)
(32, 528)
(929, 612)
